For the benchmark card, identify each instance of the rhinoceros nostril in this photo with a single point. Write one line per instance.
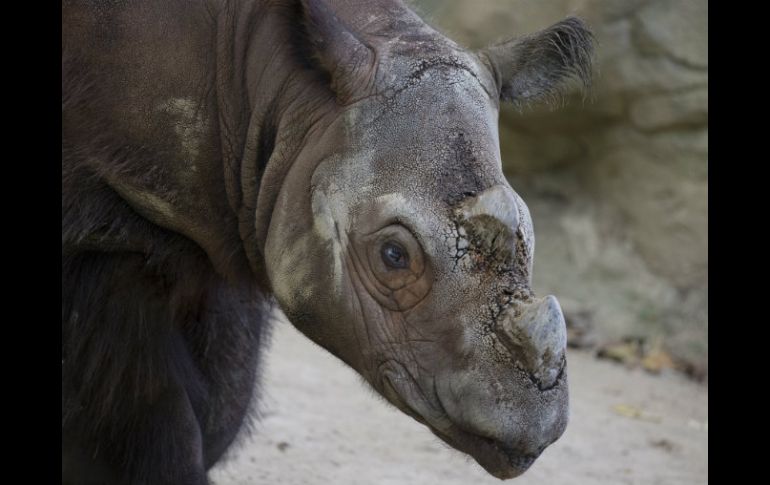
(548, 376)
(519, 459)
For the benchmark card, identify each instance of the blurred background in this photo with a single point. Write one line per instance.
(617, 186)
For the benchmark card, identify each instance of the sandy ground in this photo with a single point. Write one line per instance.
(321, 425)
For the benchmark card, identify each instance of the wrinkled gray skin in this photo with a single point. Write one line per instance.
(295, 151)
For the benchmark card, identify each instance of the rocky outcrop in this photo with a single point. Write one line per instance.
(617, 184)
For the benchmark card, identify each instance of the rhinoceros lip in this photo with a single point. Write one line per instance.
(497, 459)
(500, 461)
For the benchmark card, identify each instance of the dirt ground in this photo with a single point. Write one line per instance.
(320, 424)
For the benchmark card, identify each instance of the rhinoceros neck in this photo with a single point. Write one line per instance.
(276, 101)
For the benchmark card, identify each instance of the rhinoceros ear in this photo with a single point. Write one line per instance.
(342, 53)
(544, 64)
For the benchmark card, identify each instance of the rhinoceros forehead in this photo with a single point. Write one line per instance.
(437, 138)
(431, 96)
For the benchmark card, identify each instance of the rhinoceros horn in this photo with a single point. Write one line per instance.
(492, 219)
(537, 339)
(498, 202)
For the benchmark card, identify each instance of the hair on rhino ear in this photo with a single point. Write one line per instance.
(543, 65)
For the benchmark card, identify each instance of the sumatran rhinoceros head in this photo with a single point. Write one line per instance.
(397, 244)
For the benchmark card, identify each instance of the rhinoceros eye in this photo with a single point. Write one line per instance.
(394, 255)
(394, 267)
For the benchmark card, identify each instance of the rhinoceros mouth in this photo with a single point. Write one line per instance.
(496, 458)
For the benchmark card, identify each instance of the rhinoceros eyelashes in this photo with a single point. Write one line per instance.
(394, 255)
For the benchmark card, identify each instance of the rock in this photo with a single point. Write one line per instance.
(671, 110)
(678, 28)
(692, 143)
(526, 153)
(615, 40)
(579, 331)
(610, 10)
(666, 213)
(634, 75)
(579, 321)
(582, 239)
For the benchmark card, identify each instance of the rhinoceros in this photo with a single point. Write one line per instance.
(336, 158)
